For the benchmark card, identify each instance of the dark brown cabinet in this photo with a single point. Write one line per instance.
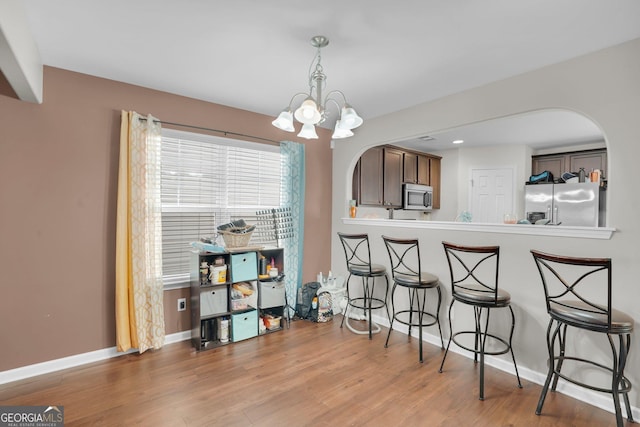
(416, 169)
(424, 169)
(552, 163)
(589, 161)
(371, 179)
(381, 171)
(410, 168)
(434, 180)
(392, 185)
(559, 163)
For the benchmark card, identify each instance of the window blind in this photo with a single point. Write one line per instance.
(208, 181)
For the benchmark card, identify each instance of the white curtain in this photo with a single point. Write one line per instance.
(139, 287)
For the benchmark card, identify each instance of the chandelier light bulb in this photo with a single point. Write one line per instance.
(340, 131)
(284, 121)
(349, 118)
(308, 112)
(308, 131)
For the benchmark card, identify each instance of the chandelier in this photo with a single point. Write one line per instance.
(313, 109)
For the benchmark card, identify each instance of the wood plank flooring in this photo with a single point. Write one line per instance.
(308, 375)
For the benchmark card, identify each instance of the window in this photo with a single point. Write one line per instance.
(208, 181)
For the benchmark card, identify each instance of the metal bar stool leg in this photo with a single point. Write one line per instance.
(346, 308)
(477, 312)
(411, 294)
(513, 356)
(551, 338)
(446, 351)
(393, 293)
(562, 339)
(483, 339)
(367, 301)
(421, 310)
(438, 317)
(386, 296)
(623, 362)
(619, 384)
(615, 382)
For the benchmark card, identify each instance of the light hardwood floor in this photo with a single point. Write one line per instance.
(311, 374)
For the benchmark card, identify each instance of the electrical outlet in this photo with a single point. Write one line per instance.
(182, 304)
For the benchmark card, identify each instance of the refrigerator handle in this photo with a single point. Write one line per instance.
(555, 215)
(548, 216)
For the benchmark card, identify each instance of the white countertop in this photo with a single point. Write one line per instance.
(537, 230)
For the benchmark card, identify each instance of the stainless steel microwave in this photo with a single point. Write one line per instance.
(417, 197)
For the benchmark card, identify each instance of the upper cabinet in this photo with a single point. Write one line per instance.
(370, 180)
(392, 170)
(381, 171)
(410, 169)
(434, 180)
(554, 163)
(424, 169)
(416, 169)
(559, 163)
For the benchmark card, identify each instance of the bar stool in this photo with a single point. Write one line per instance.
(570, 285)
(406, 270)
(474, 281)
(358, 256)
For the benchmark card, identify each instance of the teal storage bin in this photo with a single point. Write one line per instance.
(244, 325)
(244, 267)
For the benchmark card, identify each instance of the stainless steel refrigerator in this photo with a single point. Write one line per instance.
(575, 204)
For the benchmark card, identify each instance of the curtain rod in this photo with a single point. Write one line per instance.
(211, 130)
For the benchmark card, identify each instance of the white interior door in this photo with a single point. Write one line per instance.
(491, 194)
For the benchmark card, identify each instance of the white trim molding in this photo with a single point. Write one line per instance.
(527, 229)
(76, 360)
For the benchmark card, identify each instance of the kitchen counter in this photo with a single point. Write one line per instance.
(527, 229)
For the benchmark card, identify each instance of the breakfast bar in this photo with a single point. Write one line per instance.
(518, 276)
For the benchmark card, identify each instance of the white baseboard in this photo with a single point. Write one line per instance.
(76, 360)
(599, 400)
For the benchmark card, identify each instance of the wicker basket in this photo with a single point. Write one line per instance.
(235, 240)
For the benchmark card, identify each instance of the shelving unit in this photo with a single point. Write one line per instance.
(220, 312)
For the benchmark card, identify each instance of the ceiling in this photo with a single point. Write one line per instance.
(539, 130)
(385, 56)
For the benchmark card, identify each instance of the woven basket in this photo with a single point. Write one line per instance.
(235, 240)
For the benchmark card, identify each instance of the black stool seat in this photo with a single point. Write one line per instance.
(563, 279)
(373, 270)
(579, 314)
(427, 280)
(476, 294)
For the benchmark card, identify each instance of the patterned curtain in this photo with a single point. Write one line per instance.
(139, 287)
(293, 181)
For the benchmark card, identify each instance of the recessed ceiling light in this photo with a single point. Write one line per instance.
(458, 141)
(426, 138)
